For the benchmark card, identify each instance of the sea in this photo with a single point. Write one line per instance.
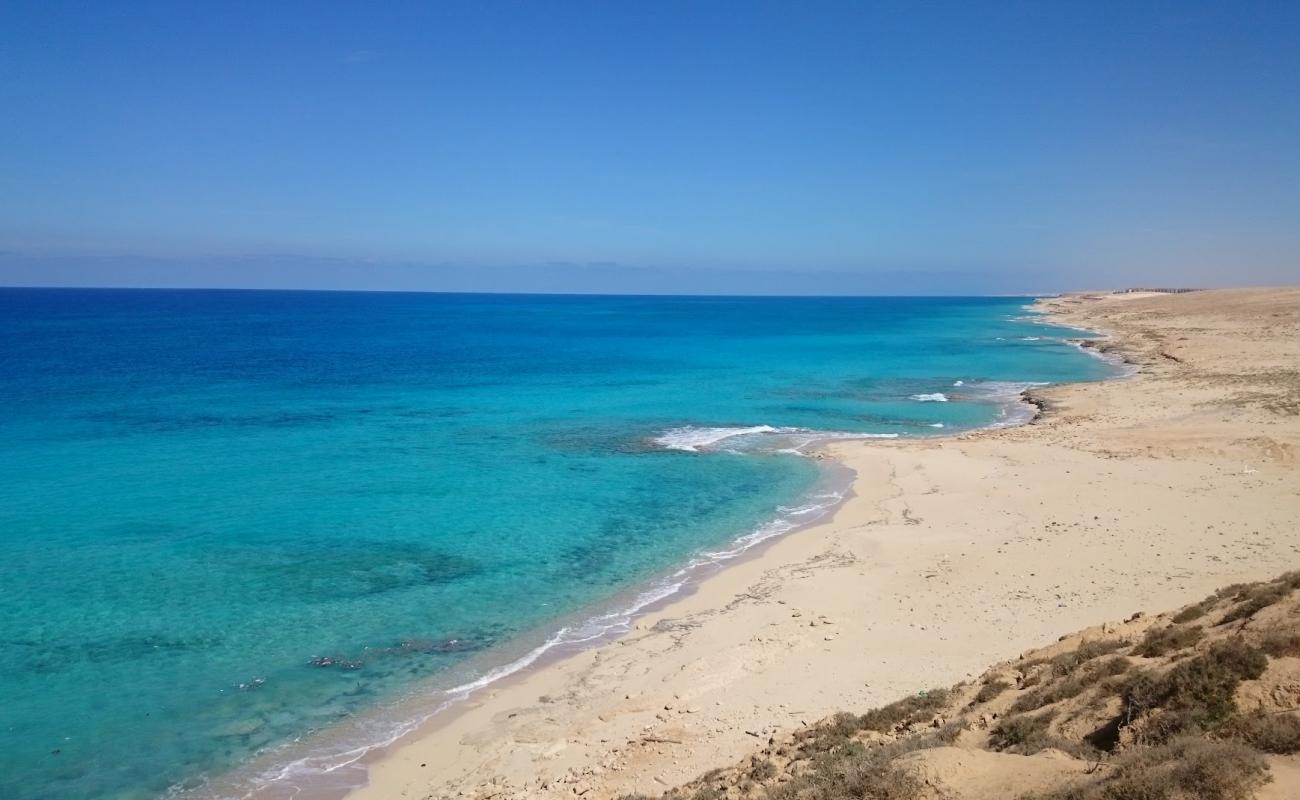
(249, 536)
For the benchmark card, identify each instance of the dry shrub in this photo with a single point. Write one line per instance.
(855, 780)
(1160, 641)
(1184, 768)
(1257, 599)
(1014, 734)
(1192, 612)
(1233, 591)
(1066, 663)
(991, 690)
(855, 771)
(1272, 733)
(1195, 695)
(949, 733)
(909, 711)
(1280, 643)
(1072, 685)
(1027, 734)
(837, 733)
(760, 769)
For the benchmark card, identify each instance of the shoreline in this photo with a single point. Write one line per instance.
(448, 714)
(348, 767)
(422, 711)
(565, 727)
(455, 700)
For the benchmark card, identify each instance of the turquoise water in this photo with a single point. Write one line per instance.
(230, 518)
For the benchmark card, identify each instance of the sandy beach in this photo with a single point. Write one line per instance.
(952, 554)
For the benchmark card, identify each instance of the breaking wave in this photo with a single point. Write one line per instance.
(753, 438)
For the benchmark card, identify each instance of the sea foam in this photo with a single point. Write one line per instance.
(753, 438)
(693, 440)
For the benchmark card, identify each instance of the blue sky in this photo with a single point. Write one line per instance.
(844, 146)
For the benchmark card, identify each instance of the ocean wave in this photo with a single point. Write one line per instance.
(753, 438)
(693, 440)
(933, 397)
(1008, 395)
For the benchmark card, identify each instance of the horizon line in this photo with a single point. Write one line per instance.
(250, 289)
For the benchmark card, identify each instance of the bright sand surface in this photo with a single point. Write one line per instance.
(953, 554)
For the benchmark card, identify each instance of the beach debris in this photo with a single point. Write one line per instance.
(661, 740)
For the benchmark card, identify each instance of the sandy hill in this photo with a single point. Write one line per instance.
(1203, 702)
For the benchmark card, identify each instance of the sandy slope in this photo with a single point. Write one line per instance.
(1138, 494)
(1197, 702)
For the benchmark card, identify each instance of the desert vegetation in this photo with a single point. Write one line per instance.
(1155, 708)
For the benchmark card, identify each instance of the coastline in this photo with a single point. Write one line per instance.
(333, 762)
(700, 677)
(336, 772)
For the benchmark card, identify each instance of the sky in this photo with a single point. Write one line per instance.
(736, 147)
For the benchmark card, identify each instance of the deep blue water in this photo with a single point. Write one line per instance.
(201, 493)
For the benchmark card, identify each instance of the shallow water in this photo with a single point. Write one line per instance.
(229, 518)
